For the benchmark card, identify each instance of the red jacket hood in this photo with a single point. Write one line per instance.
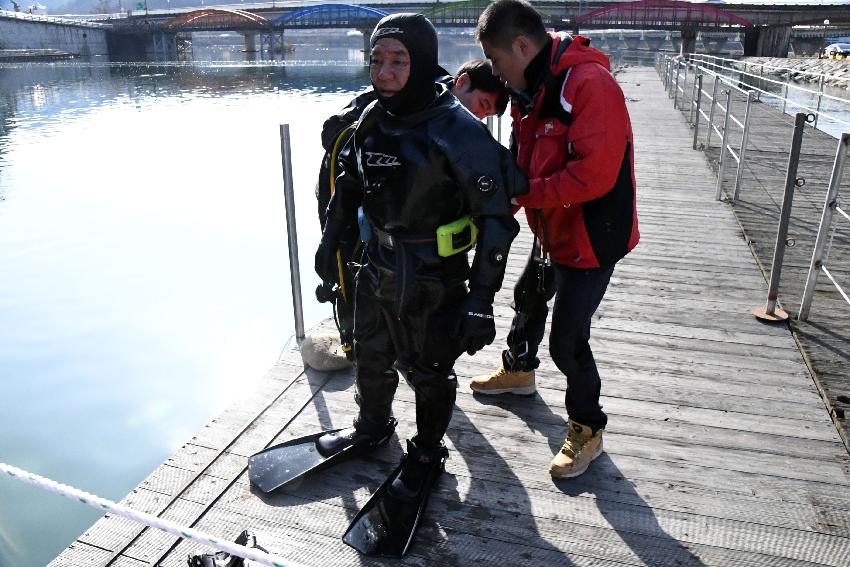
(577, 52)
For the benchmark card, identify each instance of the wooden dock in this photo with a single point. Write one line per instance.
(824, 338)
(719, 449)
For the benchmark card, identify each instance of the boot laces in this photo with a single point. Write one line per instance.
(574, 443)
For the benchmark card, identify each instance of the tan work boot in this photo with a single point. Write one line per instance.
(580, 448)
(504, 381)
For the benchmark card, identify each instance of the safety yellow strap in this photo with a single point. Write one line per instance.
(334, 153)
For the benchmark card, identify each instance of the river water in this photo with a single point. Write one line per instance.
(144, 276)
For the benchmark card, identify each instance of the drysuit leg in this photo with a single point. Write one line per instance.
(432, 376)
(374, 353)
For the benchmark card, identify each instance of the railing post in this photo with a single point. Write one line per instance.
(676, 86)
(291, 231)
(785, 97)
(820, 98)
(711, 113)
(670, 80)
(823, 229)
(742, 154)
(698, 83)
(721, 168)
(768, 312)
(693, 101)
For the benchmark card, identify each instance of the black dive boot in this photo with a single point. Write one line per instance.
(387, 523)
(276, 466)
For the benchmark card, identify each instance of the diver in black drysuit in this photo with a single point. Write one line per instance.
(418, 161)
(336, 131)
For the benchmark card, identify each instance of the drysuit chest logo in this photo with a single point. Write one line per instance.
(377, 159)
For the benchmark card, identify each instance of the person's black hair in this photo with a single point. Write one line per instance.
(503, 20)
(481, 77)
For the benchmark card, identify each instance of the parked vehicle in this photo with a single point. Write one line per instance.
(836, 50)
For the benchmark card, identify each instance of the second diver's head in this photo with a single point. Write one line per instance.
(479, 90)
(403, 63)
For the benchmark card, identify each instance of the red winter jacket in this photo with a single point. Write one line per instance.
(579, 160)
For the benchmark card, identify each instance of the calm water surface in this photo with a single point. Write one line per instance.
(144, 277)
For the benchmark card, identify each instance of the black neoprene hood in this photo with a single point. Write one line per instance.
(419, 37)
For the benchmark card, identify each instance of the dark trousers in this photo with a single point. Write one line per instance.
(418, 341)
(577, 294)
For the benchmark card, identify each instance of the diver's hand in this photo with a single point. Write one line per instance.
(476, 327)
(326, 263)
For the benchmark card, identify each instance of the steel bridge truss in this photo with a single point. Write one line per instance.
(215, 19)
(661, 14)
(331, 16)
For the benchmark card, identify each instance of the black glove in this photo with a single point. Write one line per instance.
(476, 327)
(327, 266)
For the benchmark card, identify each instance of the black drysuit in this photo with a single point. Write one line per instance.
(413, 174)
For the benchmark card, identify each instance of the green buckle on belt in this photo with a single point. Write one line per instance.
(456, 237)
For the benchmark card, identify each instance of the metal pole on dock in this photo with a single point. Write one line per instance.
(825, 223)
(742, 154)
(711, 113)
(721, 168)
(698, 84)
(291, 231)
(769, 311)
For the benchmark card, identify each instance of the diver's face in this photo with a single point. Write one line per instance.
(480, 103)
(389, 66)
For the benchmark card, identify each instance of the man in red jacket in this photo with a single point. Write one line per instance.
(572, 137)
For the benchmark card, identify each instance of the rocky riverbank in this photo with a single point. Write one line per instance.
(837, 70)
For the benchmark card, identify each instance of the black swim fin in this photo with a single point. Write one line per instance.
(276, 466)
(387, 523)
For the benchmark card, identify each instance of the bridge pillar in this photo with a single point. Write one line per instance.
(250, 42)
(767, 41)
(775, 41)
(689, 40)
(164, 46)
(367, 43)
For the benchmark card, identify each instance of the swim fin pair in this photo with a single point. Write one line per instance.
(387, 523)
(276, 466)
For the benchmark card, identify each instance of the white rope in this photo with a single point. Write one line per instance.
(143, 518)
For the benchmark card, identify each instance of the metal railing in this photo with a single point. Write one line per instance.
(826, 231)
(672, 76)
(759, 82)
(673, 72)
